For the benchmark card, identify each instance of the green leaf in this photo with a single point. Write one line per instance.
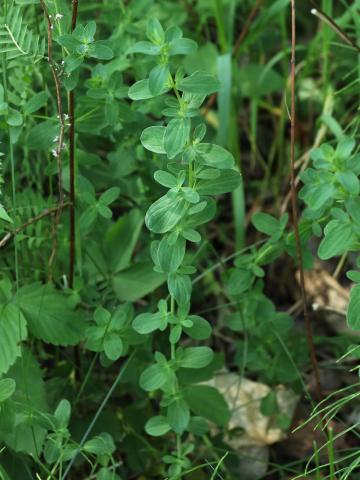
(200, 330)
(180, 288)
(148, 322)
(345, 147)
(152, 138)
(14, 118)
(102, 51)
(349, 181)
(104, 211)
(198, 426)
(214, 155)
(226, 182)
(353, 312)
(140, 90)
(196, 357)
(170, 257)
(12, 333)
(200, 83)
(17, 39)
(41, 137)
(107, 474)
(7, 388)
(48, 315)
(182, 46)
(176, 136)
(100, 445)
(137, 281)
(339, 237)
(4, 216)
(153, 378)
(265, 223)
(165, 179)
(113, 346)
(109, 196)
(157, 426)
(19, 425)
(147, 48)
(207, 402)
(73, 62)
(240, 280)
(68, 41)
(158, 79)
(63, 413)
(121, 239)
(178, 415)
(191, 235)
(165, 213)
(36, 102)
(154, 31)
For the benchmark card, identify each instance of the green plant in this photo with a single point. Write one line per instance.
(195, 171)
(137, 299)
(331, 192)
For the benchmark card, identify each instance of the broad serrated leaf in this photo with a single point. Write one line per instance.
(12, 332)
(49, 316)
(20, 425)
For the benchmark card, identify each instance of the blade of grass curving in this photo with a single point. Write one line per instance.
(98, 412)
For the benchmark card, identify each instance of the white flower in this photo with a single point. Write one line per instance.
(55, 153)
(56, 139)
(66, 116)
(59, 16)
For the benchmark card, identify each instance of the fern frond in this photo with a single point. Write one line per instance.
(16, 39)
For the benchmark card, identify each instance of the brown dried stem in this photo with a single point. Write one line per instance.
(60, 140)
(72, 164)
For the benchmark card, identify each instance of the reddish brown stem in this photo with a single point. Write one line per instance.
(60, 140)
(308, 324)
(245, 30)
(72, 165)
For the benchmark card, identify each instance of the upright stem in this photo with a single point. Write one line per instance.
(309, 331)
(72, 163)
(60, 139)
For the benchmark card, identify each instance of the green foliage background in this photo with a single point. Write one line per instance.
(184, 252)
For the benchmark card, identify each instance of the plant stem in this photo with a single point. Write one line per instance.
(309, 331)
(72, 164)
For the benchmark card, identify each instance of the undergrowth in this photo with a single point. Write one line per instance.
(180, 226)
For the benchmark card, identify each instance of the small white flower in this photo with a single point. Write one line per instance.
(59, 16)
(55, 153)
(66, 116)
(56, 139)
